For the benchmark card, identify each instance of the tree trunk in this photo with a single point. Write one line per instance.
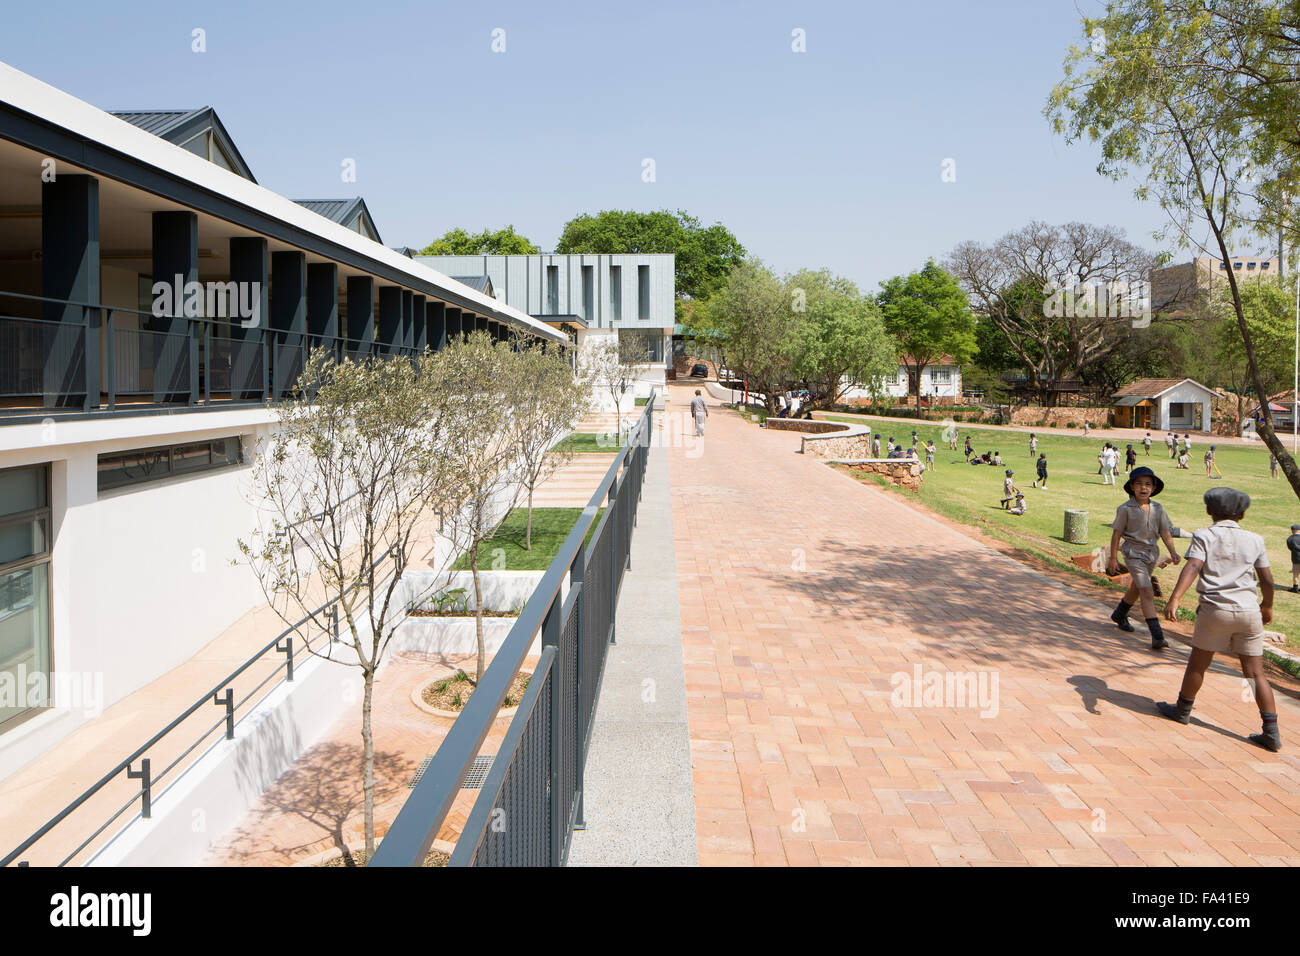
(528, 530)
(481, 664)
(916, 380)
(368, 761)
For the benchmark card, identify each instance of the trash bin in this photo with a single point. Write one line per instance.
(1076, 526)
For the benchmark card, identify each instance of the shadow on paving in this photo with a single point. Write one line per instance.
(324, 788)
(985, 614)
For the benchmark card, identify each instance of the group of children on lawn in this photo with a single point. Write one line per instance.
(1224, 561)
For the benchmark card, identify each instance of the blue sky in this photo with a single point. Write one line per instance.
(827, 158)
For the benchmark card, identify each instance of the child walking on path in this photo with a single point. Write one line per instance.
(1224, 560)
(1041, 467)
(1140, 525)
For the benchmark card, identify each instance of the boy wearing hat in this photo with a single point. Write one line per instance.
(1140, 525)
(1225, 560)
(929, 453)
(1293, 545)
(1009, 489)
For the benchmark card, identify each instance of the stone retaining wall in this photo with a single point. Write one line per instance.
(839, 446)
(810, 425)
(1060, 417)
(904, 474)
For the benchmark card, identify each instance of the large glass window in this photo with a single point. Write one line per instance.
(643, 292)
(141, 465)
(615, 293)
(24, 591)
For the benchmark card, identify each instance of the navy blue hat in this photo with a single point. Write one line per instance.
(1144, 472)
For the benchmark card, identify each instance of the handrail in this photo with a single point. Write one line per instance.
(204, 700)
(412, 832)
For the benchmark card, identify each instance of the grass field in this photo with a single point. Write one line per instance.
(972, 494)
(550, 527)
(588, 443)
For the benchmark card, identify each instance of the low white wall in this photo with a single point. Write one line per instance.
(211, 797)
(502, 590)
(453, 635)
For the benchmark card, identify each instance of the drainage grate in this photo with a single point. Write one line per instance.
(419, 772)
(474, 776)
(477, 772)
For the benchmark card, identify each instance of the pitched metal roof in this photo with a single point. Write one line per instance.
(1152, 387)
(342, 211)
(157, 122)
(178, 127)
(480, 283)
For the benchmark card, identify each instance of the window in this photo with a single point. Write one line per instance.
(588, 293)
(1263, 265)
(141, 465)
(1250, 265)
(1236, 265)
(643, 292)
(24, 590)
(552, 290)
(940, 376)
(1223, 266)
(646, 345)
(616, 292)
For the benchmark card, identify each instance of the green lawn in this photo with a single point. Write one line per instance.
(972, 494)
(588, 443)
(550, 527)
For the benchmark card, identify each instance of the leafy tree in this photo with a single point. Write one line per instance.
(1010, 282)
(929, 316)
(1199, 98)
(753, 317)
(704, 255)
(1270, 313)
(458, 242)
(613, 365)
(479, 447)
(347, 484)
(546, 401)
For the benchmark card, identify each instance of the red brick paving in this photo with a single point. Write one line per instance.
(803, 592)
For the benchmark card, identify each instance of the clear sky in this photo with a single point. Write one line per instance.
(826, 158)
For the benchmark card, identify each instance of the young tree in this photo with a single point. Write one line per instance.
(1201, 98)
(929, 316)
(347, 484)
(547, 400)
(480, 448)
(614, 366)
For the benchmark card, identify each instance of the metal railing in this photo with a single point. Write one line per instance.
(119, 785)
(532, 797)
(186, 361)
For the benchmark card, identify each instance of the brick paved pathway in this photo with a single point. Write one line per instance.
(803, 594)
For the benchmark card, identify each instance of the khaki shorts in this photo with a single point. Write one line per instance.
(1239, 632)
(1139, 571)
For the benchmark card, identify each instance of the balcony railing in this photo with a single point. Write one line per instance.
(134, 361)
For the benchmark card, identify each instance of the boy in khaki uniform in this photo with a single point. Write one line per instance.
(1140, 525)
(1224, 560)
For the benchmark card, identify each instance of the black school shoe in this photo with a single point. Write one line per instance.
(1120, 617)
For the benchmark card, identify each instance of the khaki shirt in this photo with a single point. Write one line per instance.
(1141, 529)
(1231, 554)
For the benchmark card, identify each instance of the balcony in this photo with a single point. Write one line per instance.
(111, 362)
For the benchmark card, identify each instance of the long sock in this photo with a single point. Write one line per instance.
(1157, 632)
(1271, 738)
(1120, 615)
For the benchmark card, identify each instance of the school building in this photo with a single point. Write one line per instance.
(1166, 404)
(590, 298)
(155, 303)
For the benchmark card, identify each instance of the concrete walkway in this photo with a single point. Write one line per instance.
(639, 806)
(867, 685)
